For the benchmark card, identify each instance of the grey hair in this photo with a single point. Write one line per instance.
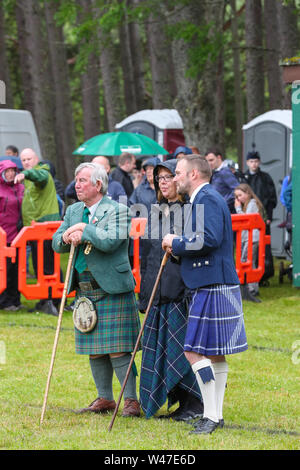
(98, 174)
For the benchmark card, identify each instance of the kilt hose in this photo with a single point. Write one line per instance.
(164, 364)
(117, 326)
(216, 321)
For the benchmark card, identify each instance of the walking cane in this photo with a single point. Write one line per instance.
(62, 305)
(163, 263)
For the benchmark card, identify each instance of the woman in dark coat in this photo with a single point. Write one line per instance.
(165, 372)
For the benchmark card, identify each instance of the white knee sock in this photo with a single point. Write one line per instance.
(221, 372)
(205, 377)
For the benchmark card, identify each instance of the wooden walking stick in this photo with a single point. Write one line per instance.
(62, 305)
(163, 263)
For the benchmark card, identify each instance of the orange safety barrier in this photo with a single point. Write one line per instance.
(137, 230)
(44, 231)
(40, 290)
(5, 252)
(246, 273)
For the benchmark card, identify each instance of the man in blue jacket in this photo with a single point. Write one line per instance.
(115, 190)
(215, 324)
(222, 179)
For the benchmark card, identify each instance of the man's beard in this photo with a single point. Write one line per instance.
(183, 188)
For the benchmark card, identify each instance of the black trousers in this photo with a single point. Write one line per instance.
(11, 295)
(48, 267)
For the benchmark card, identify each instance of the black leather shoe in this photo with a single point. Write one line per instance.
(187, 415)
(206, 426)
(48, 307)
(171, 415)
(191, 408)
(221, 423)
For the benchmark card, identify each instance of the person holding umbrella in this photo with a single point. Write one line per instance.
(165, 372)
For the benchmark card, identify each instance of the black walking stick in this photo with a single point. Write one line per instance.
(62, 305)
(163, 263)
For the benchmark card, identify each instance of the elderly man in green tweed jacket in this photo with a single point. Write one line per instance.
(104, 277)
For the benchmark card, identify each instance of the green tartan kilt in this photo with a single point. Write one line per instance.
(117, 326)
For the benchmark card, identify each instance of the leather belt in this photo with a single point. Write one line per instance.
(85, 286)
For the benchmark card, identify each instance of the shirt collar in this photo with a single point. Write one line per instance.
(92, 209)
(196, 191)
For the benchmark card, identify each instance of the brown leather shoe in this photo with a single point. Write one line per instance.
(100, 405)
(131, 408)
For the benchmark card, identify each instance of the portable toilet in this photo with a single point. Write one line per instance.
(162, 125)
(17, 128)
(271, 135)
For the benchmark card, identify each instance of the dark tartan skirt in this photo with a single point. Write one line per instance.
(164, 364)
(117, 326)
(216, 321)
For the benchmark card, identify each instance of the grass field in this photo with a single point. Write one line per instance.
(261, 409)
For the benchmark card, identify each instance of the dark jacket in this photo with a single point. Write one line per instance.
(206, 249)
(143, 194)
(114, 190)
(264, 188)
(171, 287)
(225, 182)
(124, 179)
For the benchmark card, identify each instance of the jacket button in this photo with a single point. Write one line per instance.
(206, 262)
(199, 264)
(194, 265)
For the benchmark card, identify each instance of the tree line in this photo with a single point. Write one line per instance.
(81, 66)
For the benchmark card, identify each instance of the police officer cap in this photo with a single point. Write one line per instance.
(253, 155)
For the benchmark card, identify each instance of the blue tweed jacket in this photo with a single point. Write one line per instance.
(206, 247)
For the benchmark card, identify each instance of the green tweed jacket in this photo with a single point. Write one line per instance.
(108, 232)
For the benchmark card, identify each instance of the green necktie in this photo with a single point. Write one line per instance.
(80, 263)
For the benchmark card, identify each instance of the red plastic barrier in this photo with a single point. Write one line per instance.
(137, 230)
(40, 290)
(245, 271)
(44, 231)
(5, 252)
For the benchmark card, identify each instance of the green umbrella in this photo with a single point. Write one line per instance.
(115, 143)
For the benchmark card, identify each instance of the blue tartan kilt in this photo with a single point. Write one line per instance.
(164, 364)
(216, 321)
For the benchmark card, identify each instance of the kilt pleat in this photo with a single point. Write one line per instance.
(164, 364)
(117, 326)
(216, 321)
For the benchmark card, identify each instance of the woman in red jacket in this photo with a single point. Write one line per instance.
(11, 196)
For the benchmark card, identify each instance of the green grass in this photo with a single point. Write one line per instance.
(261, 408)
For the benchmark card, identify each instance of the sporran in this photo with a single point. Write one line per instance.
(84, 315)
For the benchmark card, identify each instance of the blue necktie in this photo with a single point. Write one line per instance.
(80, 263)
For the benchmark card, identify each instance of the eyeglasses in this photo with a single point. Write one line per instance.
(166, 178)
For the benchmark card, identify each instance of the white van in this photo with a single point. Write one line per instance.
(17, 128)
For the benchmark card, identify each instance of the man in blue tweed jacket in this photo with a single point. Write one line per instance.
(215, 324)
